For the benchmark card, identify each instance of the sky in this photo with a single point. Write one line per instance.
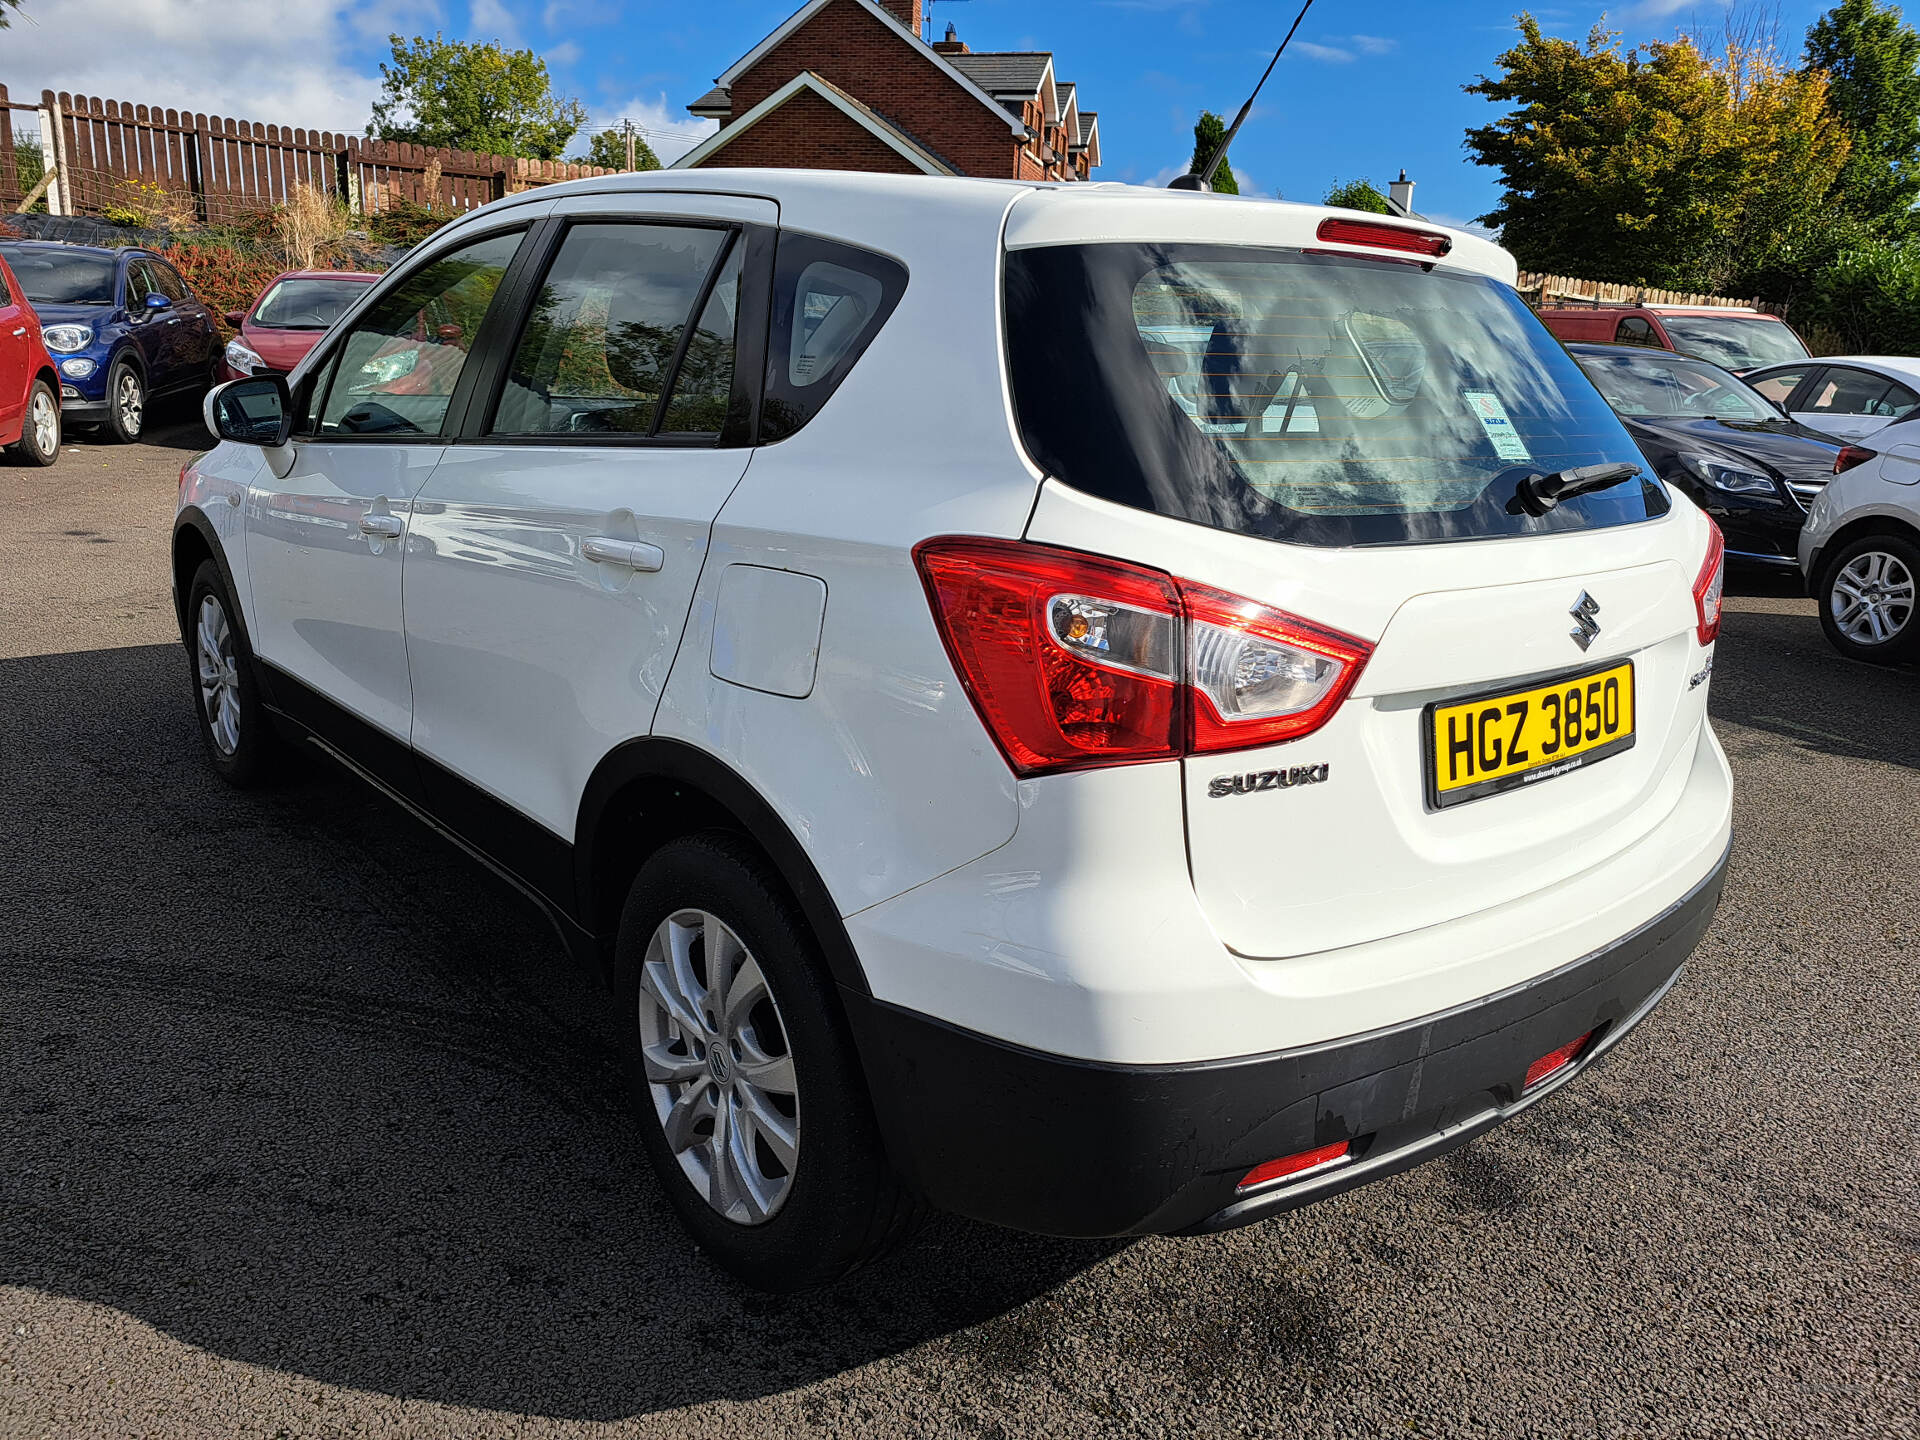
(1366, 88)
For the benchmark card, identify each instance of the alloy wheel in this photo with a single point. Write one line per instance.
(129, 403)
(1872, 597)
(219, 675)
(43, 418)
(719, 1067)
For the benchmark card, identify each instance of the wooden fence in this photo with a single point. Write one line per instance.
(1542, 290)
(213, 169)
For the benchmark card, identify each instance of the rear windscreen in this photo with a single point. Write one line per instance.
(1316, 399)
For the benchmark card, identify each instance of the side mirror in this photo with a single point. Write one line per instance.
(258, 411)
(156, 301)
(236, 318)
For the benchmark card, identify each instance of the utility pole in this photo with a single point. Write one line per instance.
(626, 128)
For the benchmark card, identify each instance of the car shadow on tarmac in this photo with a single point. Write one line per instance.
(284, 1076)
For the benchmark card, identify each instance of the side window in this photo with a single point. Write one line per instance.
(1779, 385)
(139, 285)
(1848, 392)
(703, 385)
(598, 349)
(1635, 330)
(829, 301)
(1898, 403)
(6, 294)
(397, 368)
(307, 421)
(169, 282)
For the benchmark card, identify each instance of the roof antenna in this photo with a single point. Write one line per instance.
(1202, 178)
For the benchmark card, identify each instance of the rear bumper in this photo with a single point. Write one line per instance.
(1072, 1147)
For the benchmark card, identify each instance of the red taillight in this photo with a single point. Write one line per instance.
(1259, 675)
(1554, 1061)
(1074, 661)
(1288, 1165)
(1377, 236)
(1070, 660)
(1709, 587)
(1850, 456)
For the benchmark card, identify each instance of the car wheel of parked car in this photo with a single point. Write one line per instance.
(751, 1101)
(1867, 598)
(239, 738)
(126, 402)
(40, 431)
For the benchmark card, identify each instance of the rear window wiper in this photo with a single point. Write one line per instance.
(1537, 494)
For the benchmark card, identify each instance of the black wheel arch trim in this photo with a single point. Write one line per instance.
(657, 759)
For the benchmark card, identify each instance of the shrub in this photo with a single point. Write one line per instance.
(309, 225)
(226, 277)
(139, 205)
(1866, 301)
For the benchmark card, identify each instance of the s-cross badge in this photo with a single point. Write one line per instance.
(1585, 627)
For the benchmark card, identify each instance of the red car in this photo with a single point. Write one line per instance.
(288, 319)
(29, 385)
(1732, 337)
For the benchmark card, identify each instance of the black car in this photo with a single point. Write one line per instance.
(1721, 443)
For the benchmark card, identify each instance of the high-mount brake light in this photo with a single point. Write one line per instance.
(1709, 587)
(1850, 456)
(1074, 661)
(1377, 236)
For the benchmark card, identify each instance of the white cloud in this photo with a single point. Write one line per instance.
(1374, 44)
(1332, 54)
(281, 62)
(669, 129)
(491, 20)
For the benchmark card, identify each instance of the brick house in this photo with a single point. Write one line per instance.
(850, 85)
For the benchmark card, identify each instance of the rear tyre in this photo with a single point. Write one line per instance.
(40, 430)
(749, 1094)
(239, 737)
(1867, 597)
(126, 403)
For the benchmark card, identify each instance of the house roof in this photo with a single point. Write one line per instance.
(717, 101)
(862, 114)
(1089, 122)
(940, 62)
(1006, 72)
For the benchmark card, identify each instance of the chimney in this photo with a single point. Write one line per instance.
(1400, 194)
(907, 12)
(953, 44)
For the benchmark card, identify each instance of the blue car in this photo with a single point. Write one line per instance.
(122, 326)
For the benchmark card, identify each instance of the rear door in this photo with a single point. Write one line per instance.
(555, 549)
(1351, 443)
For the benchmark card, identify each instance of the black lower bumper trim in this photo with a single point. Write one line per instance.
(1071, 1147)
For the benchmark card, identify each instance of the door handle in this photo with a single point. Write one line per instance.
(388, 527)
(21, 331)
(632, 554)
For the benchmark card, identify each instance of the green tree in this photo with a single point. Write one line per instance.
(1661, 166)
(473, 97)
(1208, 132)
(608, 149)
(1870, 57)
(1357, 195)
(6, 5)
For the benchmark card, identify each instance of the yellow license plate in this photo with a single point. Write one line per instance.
(1509, 739)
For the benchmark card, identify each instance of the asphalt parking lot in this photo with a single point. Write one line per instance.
(308, 1128)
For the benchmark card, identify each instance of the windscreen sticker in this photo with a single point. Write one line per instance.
(1492, 415)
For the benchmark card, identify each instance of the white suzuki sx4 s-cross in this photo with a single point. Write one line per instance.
(1109, 711)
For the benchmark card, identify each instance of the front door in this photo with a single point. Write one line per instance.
(556, 547)
(151, 335)
(325, 541)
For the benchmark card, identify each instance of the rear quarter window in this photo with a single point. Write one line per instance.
(829, 301)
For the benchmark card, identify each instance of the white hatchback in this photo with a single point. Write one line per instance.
(1860, 550)
(1106, 710)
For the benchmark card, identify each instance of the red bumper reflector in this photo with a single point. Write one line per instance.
(1554, 1061)
(1294, 1164)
